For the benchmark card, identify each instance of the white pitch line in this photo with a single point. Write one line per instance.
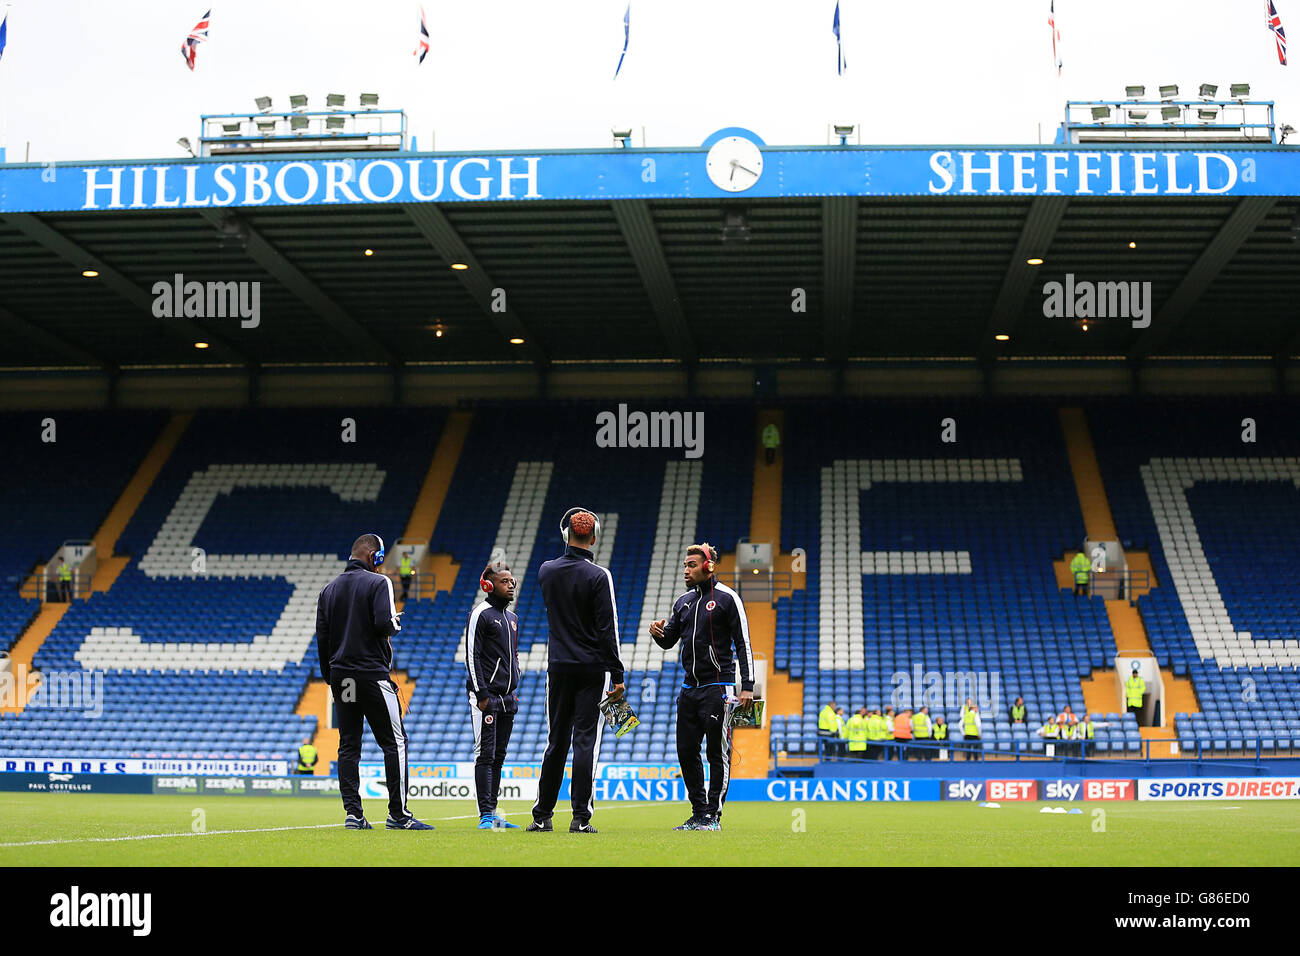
(314, 826)
(164, 836)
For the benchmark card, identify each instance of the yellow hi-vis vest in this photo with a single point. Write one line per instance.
(1134, 688)
(882, 727)
(771, 436)
(65, 572)
(886, 727)
(405, 568)
(306, 756)
(969, 726)
(1085, 729)
(1051, 730)
(855, 728)
(921, 726)
(940, 731)
(1018, 712)
(826, 719)
(1080, 565)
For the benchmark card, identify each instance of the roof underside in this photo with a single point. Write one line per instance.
(653, 280)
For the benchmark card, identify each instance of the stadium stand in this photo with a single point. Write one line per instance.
(937, 555)
(520, 469)
(1218, 517)
(207, 656)
(920, 554)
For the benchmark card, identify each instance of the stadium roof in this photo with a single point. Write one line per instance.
(900, 252)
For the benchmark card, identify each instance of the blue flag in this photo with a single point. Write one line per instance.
(4, 32)
(840, 62)
(627, 14)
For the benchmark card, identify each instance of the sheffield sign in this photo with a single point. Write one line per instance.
(343, 180)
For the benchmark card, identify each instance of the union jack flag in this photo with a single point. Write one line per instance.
(1056, 36)
(1275, 24)
(422, 47)
(190, 48)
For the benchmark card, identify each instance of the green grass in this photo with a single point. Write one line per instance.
(1259, 833)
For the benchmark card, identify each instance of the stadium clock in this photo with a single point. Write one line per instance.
(734, 163)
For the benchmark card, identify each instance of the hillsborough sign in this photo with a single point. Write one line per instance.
(342, 180)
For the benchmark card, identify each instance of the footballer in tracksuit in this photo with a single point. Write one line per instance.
(356, 619)
(492, 659)
(708, 619)
(582, 662)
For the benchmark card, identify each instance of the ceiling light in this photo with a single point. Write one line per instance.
(459, 266)
(516, 341)
(200, 345)
(1034, 261)
(89, 273)
(1132, 245)
(1002, 337)
(369, 252)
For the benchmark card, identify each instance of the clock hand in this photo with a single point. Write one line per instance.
(734, 164)
(745, 168)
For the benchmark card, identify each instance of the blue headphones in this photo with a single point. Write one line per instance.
(379, 555)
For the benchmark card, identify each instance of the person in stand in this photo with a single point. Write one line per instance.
(1019, 712)
(921, 731)
(307, 757)
(971, 728)
(903, 732)
(771, 442)
(1080, 567)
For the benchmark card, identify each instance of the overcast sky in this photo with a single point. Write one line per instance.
(85, 79)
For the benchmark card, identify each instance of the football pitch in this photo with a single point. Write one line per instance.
(113, 830)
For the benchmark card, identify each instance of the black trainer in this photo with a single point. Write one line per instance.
(576, 827)
(535, 827)
(356, 823)
(692, 823)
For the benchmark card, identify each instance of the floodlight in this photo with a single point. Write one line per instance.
(1169, 92)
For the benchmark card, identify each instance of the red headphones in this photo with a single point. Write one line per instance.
(484, 583)
(710, 557)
